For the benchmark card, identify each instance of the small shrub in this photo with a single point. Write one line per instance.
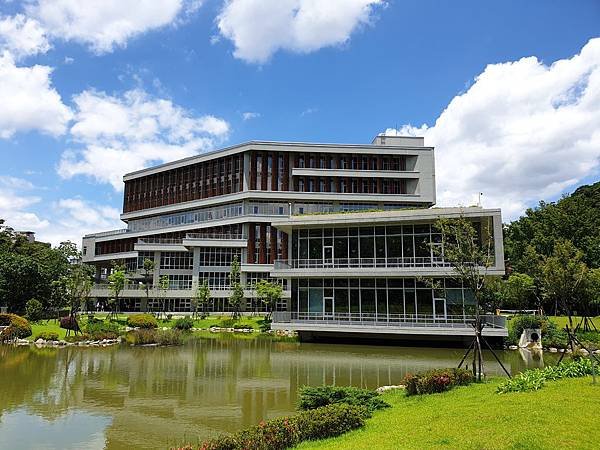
(145, 336)
(34, 310)
(227, 322)
(184, 324)
(142, 321)
(47, 336)
(286, 432)
(437, 380)
(532, 380)
(316, 397)
(18, 327)
(69, 323)
(264, 325)
(241, 326)
(99, 329)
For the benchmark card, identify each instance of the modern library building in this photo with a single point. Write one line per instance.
(346, 229)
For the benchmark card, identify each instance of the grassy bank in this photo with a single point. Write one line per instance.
(564, 414)
(252, 322)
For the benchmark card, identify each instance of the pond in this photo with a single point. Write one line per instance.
(139, 397)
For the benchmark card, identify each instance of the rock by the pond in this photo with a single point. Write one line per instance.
(513, 347)
(392, 387)
(553, 350)
(40, 341)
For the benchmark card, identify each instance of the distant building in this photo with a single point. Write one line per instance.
(345, 228)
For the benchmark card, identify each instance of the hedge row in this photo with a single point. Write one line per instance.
(286, 432)
(532, 380)
(437, 380)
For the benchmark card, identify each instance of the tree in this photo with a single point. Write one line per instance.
(563, 277)
(519, 291)
(269, 293)
(163, 286)
(116, 284)
(147, 277)
(201, 299)
(237, 291)
(78, 285)
(470, 253)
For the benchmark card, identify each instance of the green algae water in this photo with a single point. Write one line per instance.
(125, 397)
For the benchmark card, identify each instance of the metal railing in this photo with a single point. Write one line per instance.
(390, 320)
(336, 263)
(155, 240)
(222, 236)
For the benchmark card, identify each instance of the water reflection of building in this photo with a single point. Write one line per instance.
(283, 210)
(158, 397)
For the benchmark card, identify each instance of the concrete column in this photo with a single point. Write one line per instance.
(246, 172)
(196, 268)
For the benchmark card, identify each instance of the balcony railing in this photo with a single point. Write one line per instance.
(388, 320)
(359, 263)
(153, 240)
(222, 236)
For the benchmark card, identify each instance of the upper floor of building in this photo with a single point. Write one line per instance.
(391, 169)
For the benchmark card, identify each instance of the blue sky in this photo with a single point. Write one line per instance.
(89, 96)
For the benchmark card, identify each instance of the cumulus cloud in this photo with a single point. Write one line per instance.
(297, 25)
(29, 102)
(523, 131)
(120, 134)
(104, 25)
(22, 36)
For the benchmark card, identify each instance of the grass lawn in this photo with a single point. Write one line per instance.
(564, 414)
(216, 321)
(561, 321)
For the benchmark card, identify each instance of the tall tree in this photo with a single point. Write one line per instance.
(237, 291)
(470, 252)
(116, 283)
(201, 299)
(163, 287)
(563, 277)
(147, 279)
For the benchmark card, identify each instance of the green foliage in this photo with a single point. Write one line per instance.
(201, 299)
(116, 281)
(532, 380)
(264, 325)
(552, 336)
(437, 380)
(145, 336)
(563, 276)
(518, 291)
(34, 310)
(575, 217)
(184, 324)
(100, 329)
(18, 327)
(47, 336)
(316, 397)
(269, 293)
(237, 291)
(287, 432)
(142, 321)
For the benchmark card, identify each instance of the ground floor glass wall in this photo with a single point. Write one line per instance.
(381, 297)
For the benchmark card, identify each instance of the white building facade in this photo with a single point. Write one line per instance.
(346, 229)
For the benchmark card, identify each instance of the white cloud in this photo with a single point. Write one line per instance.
(133, 131)
(22, 36)
(15, 201)
(106, 24)
(524, 131)
(259, 28)
(29, 102)
(250, 115)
